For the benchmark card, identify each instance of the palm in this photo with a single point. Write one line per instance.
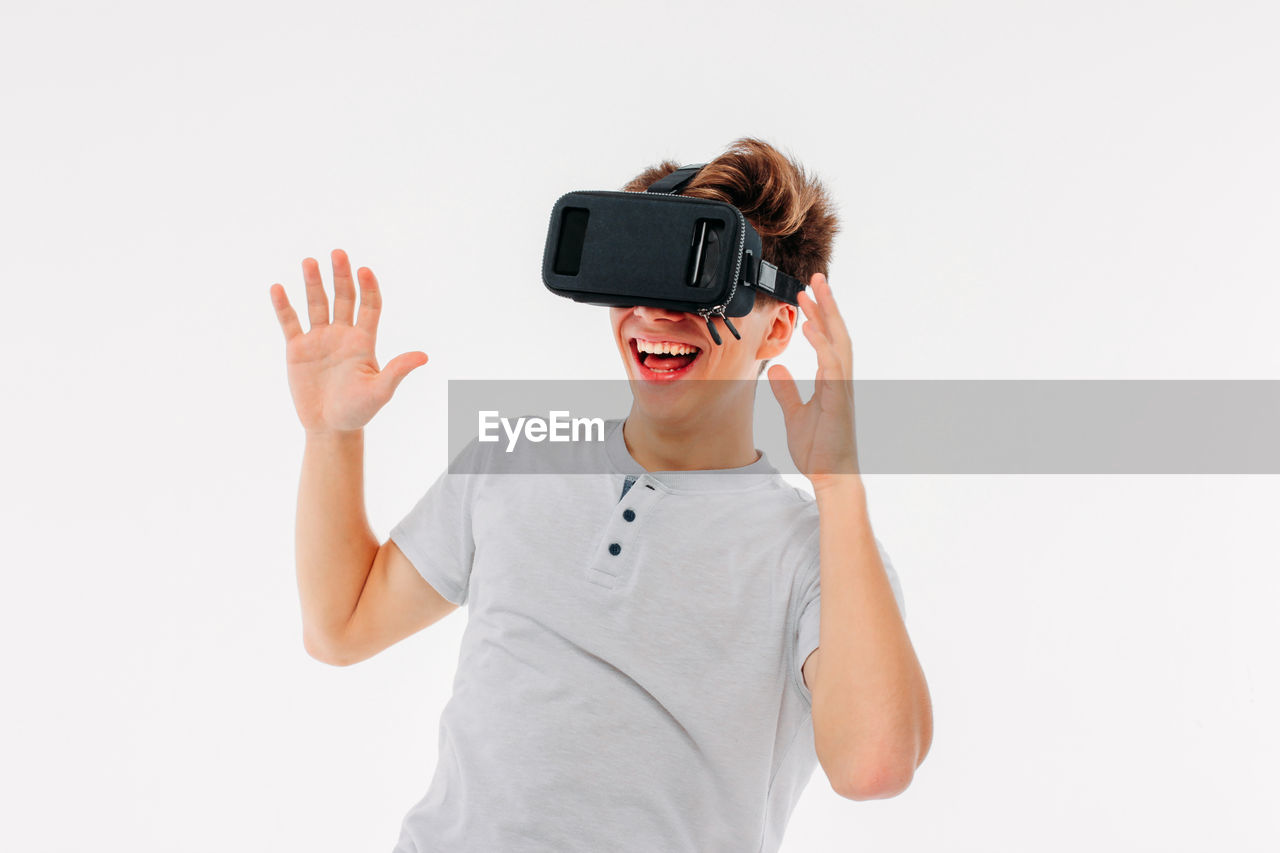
(820, 432)
(332, 375)
(333, 372)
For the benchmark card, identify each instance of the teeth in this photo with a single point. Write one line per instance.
(664, 347)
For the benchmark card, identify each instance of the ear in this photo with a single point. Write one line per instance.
(780, 324)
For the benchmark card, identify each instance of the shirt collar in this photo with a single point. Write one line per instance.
(756, 475)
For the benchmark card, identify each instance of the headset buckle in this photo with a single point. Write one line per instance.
(767, 277)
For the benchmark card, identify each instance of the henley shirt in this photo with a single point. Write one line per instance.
(629, 677)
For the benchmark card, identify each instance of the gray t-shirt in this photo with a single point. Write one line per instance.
(630, 673)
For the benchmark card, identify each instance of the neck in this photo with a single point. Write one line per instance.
(711, 441)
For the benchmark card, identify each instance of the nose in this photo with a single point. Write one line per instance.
(649, 312)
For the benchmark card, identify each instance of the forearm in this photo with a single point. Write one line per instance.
(334, 544)
(871, 713)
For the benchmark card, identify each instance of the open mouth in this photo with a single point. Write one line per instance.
(663, 360)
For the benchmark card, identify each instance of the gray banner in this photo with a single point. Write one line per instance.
(930, 426)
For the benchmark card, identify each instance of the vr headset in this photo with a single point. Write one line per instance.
(661, 249)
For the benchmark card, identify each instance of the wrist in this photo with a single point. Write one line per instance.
(838, 487)
(333, 436)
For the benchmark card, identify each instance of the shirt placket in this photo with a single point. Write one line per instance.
(613, 559)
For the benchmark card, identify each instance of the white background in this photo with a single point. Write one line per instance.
(1028, 190)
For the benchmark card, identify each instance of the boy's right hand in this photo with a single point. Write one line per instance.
(333, 373)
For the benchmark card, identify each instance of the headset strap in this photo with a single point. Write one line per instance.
(777, 283)
(675, 181)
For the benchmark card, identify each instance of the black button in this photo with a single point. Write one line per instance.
(629, 515)
(615, 549)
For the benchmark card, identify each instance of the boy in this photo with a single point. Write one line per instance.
(655, 657)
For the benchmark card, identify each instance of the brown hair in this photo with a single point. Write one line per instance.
(792, 211)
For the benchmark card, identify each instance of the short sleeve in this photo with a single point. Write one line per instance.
(436, 535)
(806, 631)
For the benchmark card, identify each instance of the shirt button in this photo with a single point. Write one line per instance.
(615, 549)
(629, 515)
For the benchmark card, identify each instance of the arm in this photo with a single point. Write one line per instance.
(872, 716)
(334, 544)
(357, 598)
(337, 388)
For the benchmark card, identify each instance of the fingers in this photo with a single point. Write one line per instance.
(370, 301)
(317, 302)
(812, 313)
(344, 290)
(812, 328)
(284, 313)
(830, 324)
(784, 388)
(394, 371)
(829, 363)
(344, 295)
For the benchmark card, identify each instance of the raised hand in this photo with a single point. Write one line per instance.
(333, 373)
(820, 433)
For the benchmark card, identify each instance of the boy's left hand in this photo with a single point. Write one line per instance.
(820, 433)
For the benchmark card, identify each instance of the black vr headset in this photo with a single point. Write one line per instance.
(661, 249)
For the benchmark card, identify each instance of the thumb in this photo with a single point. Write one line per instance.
(784, 389)
(399, 367)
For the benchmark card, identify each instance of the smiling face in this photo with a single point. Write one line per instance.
(663, 349)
